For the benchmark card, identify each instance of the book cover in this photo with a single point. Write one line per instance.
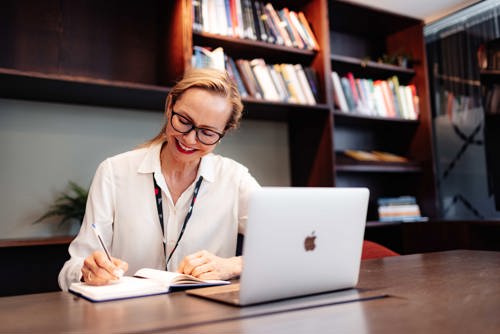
(389, 157)
(271, 12)
(294, 19)
(145, 282)
(292, 32)
(338, 93)
(304, 84)
(346, 88)
(293, 83)
(248, 78)
(361, 155)
(264, 79)
(235, 75)
(307, 28)
(259, 25)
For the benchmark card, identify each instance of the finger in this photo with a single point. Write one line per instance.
(92, 278)
(103, 263)
(193, 264)
(202, 269)
(209, 275)
(93, 270)
(121, 266)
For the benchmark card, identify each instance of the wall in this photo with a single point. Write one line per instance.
(44, 145)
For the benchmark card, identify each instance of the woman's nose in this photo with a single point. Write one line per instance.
(190, 137)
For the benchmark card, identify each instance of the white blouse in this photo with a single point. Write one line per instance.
(122, 205)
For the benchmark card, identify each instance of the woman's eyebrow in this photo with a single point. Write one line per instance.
(208, 127)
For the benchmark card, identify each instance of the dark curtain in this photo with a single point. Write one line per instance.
(458, 119)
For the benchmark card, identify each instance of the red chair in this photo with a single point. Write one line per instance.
(372, 250)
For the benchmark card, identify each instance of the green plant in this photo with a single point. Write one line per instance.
(69, 205)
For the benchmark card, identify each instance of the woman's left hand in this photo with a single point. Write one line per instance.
(206, 265)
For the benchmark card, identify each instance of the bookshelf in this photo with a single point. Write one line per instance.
(356, 46)
(127, 54)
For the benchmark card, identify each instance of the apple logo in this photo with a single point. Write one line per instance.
(309, 244)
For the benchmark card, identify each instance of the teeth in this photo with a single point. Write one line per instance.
(184, 147)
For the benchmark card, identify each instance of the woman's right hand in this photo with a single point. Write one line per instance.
(98, 270)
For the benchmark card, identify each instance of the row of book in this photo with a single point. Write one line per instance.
(290, 83)
(384, 98)
(403, 208)
(255, 21)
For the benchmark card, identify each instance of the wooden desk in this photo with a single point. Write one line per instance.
(448, 292)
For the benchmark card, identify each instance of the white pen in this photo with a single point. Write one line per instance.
(118, 272)
(102, 242)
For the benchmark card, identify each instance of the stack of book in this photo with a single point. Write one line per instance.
(253, 20)
(291, 83)
(403, 208)
(376, 156)
(383, 98)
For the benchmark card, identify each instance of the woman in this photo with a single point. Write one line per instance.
(170, 203)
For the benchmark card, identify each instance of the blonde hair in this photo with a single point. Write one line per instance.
(211, 80)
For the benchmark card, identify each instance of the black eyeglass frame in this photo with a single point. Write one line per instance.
(195, 128)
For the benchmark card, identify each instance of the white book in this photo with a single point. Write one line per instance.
(279, 83)
(145, 282)
(338, 93)
(305, 84)
(263, 76)
(289, 71)
(404, 103)
(379, 101)
(220, 17)
(409, 101)
(205, 15)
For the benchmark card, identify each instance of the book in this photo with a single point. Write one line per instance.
(402, 208)
(145, 282)
(361, 155)
(389, 157)
(338, 93)
(264, 79)
(374, 155)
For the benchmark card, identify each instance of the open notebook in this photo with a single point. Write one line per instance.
(145, 282)
(299, 241)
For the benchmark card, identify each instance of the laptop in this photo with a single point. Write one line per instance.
(298, 241)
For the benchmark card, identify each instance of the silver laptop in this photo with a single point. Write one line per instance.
(299, 241)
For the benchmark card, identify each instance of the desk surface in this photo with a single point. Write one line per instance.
(447, 292)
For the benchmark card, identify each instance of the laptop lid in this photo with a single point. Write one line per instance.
(301, 241)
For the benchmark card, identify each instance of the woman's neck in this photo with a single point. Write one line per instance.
(173, 169)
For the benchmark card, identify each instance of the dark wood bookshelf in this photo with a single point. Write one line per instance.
(279, 111)
(38, 86)
(376, 167)
(357, 118)
(359, 36)
(254, 49)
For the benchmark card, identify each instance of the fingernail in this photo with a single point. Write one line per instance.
(118, 272)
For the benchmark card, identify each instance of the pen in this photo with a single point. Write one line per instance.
(102, 242)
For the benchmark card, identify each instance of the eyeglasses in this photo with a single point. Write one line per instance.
(184, 125)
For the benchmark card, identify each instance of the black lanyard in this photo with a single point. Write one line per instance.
(159, 207)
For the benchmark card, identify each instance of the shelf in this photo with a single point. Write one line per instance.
(490, 76)
(65, 240)
(347, 165)
(369, 69)
(342, 118)
(80, 90)
(374, 224)
(278, 111)
(249, 49)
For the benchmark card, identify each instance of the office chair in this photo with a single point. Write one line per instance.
(373, 250)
